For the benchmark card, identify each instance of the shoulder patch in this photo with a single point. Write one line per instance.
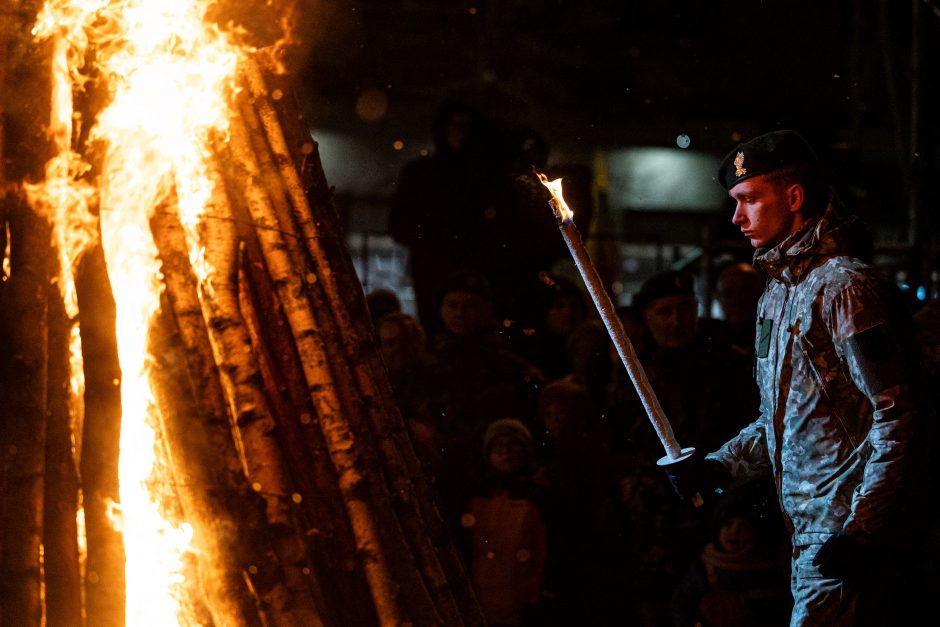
(875, 360)
(874, 343)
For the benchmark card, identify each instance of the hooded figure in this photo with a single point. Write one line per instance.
(438, 212)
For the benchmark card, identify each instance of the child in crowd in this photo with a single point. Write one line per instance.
(505, 528)
(741, 578)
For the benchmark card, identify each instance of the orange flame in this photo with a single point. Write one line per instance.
(170, 75)
(562, 210)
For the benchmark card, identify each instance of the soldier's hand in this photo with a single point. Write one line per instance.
(841, 557)
(696, 476)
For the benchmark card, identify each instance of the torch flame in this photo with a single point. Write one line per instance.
(562, 210)
(170, 76)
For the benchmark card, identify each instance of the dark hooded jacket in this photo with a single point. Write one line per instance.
(838, 412)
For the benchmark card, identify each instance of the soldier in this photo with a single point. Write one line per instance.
(839, 425)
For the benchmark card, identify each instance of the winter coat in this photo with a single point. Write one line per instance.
(837, 413)
(509, 552)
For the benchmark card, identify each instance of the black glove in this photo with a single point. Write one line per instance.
(695, 475)
(841, 557)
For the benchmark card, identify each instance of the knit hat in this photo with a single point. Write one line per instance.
(763, 154)
(568, 391)
(662, 284)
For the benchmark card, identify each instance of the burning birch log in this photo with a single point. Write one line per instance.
(100, 437)
(23, 414)
(227, 514)
(340, 439)
(241, 383)
(375, 421)
(277, 434)
(63, 583)
(23, 354)
(310, 216)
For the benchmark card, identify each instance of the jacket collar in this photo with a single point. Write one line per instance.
(829, 233)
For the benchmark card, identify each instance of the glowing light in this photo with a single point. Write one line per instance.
(169, 74)
(558, 200)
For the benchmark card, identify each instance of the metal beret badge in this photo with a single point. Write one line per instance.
(739, 169)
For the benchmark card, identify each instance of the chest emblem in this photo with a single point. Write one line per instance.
(763, 337)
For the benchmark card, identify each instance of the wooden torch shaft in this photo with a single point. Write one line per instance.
(615, 328)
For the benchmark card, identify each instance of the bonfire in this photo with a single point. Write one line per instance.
(195, 426)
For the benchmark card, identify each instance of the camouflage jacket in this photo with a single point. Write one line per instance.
(837, 411)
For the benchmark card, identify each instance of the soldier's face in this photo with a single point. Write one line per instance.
(764, 211)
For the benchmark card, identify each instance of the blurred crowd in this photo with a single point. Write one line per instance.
(545, 462)
(542, 455)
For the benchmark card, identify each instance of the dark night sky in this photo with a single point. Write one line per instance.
(619, 65)
(607, 74)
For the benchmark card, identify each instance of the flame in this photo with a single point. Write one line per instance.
(562, 210)
(170, 75)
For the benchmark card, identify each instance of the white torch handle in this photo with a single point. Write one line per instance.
(615, 328)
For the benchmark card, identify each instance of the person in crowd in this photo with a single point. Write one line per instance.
(562, 309)
(404, 351)
(475, 376)
(741, 578)
(475, 204)
(705, 390)
(840, 423)
(470, 349)
(505, 528)
(704, 387)
(381, 301)
(585, 568)
(439, 205)
(738, 287)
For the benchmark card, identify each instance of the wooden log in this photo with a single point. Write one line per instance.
(101, 442)
(344, 300)
(63, 585)
(217, 574)
(332, 541)
(411, 522)
(292, 547)
(25, 92)
(345, 451)
(358, 340)
(338, 585)
(23, 415)
(216, 239)
(229, 507)
(3, 245)
(6, 20)
(214, 496)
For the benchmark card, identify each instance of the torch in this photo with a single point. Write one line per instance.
(569, 231)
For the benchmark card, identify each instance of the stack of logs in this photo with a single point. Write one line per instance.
(287, 453)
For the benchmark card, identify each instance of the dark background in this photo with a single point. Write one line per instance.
(857, 78)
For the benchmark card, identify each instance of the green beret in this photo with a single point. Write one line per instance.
(763, 154)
